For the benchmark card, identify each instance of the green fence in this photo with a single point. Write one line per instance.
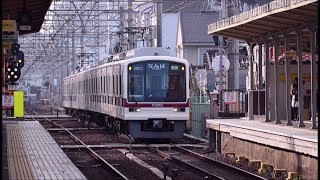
(200, 106)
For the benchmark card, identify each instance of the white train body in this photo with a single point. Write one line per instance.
(148, 91)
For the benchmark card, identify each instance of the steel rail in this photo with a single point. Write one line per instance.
(124, 145)
(73, 129)
(239, 171)
(188, 165)
(90, 150)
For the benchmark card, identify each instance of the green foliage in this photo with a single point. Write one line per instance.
(194, 88)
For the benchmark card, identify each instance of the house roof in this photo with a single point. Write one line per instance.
(194, 26)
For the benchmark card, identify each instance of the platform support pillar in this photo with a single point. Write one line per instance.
(259, 42)
(250, 101)
(267, 64)
(299, 32)
(219, 141)
(212, 139)
(288, 80)
(275, 37)
(313, 29)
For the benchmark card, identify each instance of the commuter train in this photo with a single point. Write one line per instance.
(143, 93)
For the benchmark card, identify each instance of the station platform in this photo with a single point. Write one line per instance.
(303, 140)
(29, 152)
(284, 147)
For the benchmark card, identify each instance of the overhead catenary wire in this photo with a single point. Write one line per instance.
(184, 4)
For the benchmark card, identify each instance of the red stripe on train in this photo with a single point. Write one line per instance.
(160, 104)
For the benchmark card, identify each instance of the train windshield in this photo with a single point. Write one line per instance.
(156, 81)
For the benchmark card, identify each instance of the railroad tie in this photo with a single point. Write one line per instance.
(241, 159)
(292, 176)
(279, 172)
(155, 170)
(229, 154)
(265, 167)
(256, 163)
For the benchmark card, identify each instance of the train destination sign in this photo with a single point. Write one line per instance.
(156, 66)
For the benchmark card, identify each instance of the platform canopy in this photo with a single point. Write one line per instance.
(272, 17)
(38, 9)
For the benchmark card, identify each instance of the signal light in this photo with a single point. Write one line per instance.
(20, 59)
(14, 73)
(15, 48)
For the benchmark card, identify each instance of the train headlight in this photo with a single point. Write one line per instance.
(134, 109)
(179, 109)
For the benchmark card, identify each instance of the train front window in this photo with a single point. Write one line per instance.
(156, 81)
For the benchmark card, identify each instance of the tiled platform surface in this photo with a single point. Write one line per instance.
(33, 154)
(303, 140)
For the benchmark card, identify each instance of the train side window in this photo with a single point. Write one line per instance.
(104, 84)
(120, 85)
(117, 89)
(101, 85)
(96, 84)
(108, 83)
(113, 85)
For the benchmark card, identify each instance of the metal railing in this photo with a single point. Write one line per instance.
(255, 12)
(232, 101)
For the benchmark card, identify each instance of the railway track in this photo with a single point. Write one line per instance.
(117, 174)
(209, 168)
(92, 148)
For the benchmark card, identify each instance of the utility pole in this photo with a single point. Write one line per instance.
(158, 12)
(233, 47)
(121, 29)
(222, 16)
(130, 33)
(73, 53)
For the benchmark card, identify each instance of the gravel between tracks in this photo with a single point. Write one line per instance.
(157, 161)
(230, 160)
(130, 169)
(93, 137)
(89, 166)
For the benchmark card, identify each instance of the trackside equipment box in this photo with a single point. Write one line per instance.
(18, 101)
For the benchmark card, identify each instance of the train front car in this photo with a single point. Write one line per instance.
(157, 96)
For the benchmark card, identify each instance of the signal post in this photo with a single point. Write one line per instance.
(12, 62)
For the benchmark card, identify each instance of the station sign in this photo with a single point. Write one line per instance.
(230, 97)
(7, 101)
(9, 31)
(291, 53)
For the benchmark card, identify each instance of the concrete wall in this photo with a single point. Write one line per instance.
(306, 166)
